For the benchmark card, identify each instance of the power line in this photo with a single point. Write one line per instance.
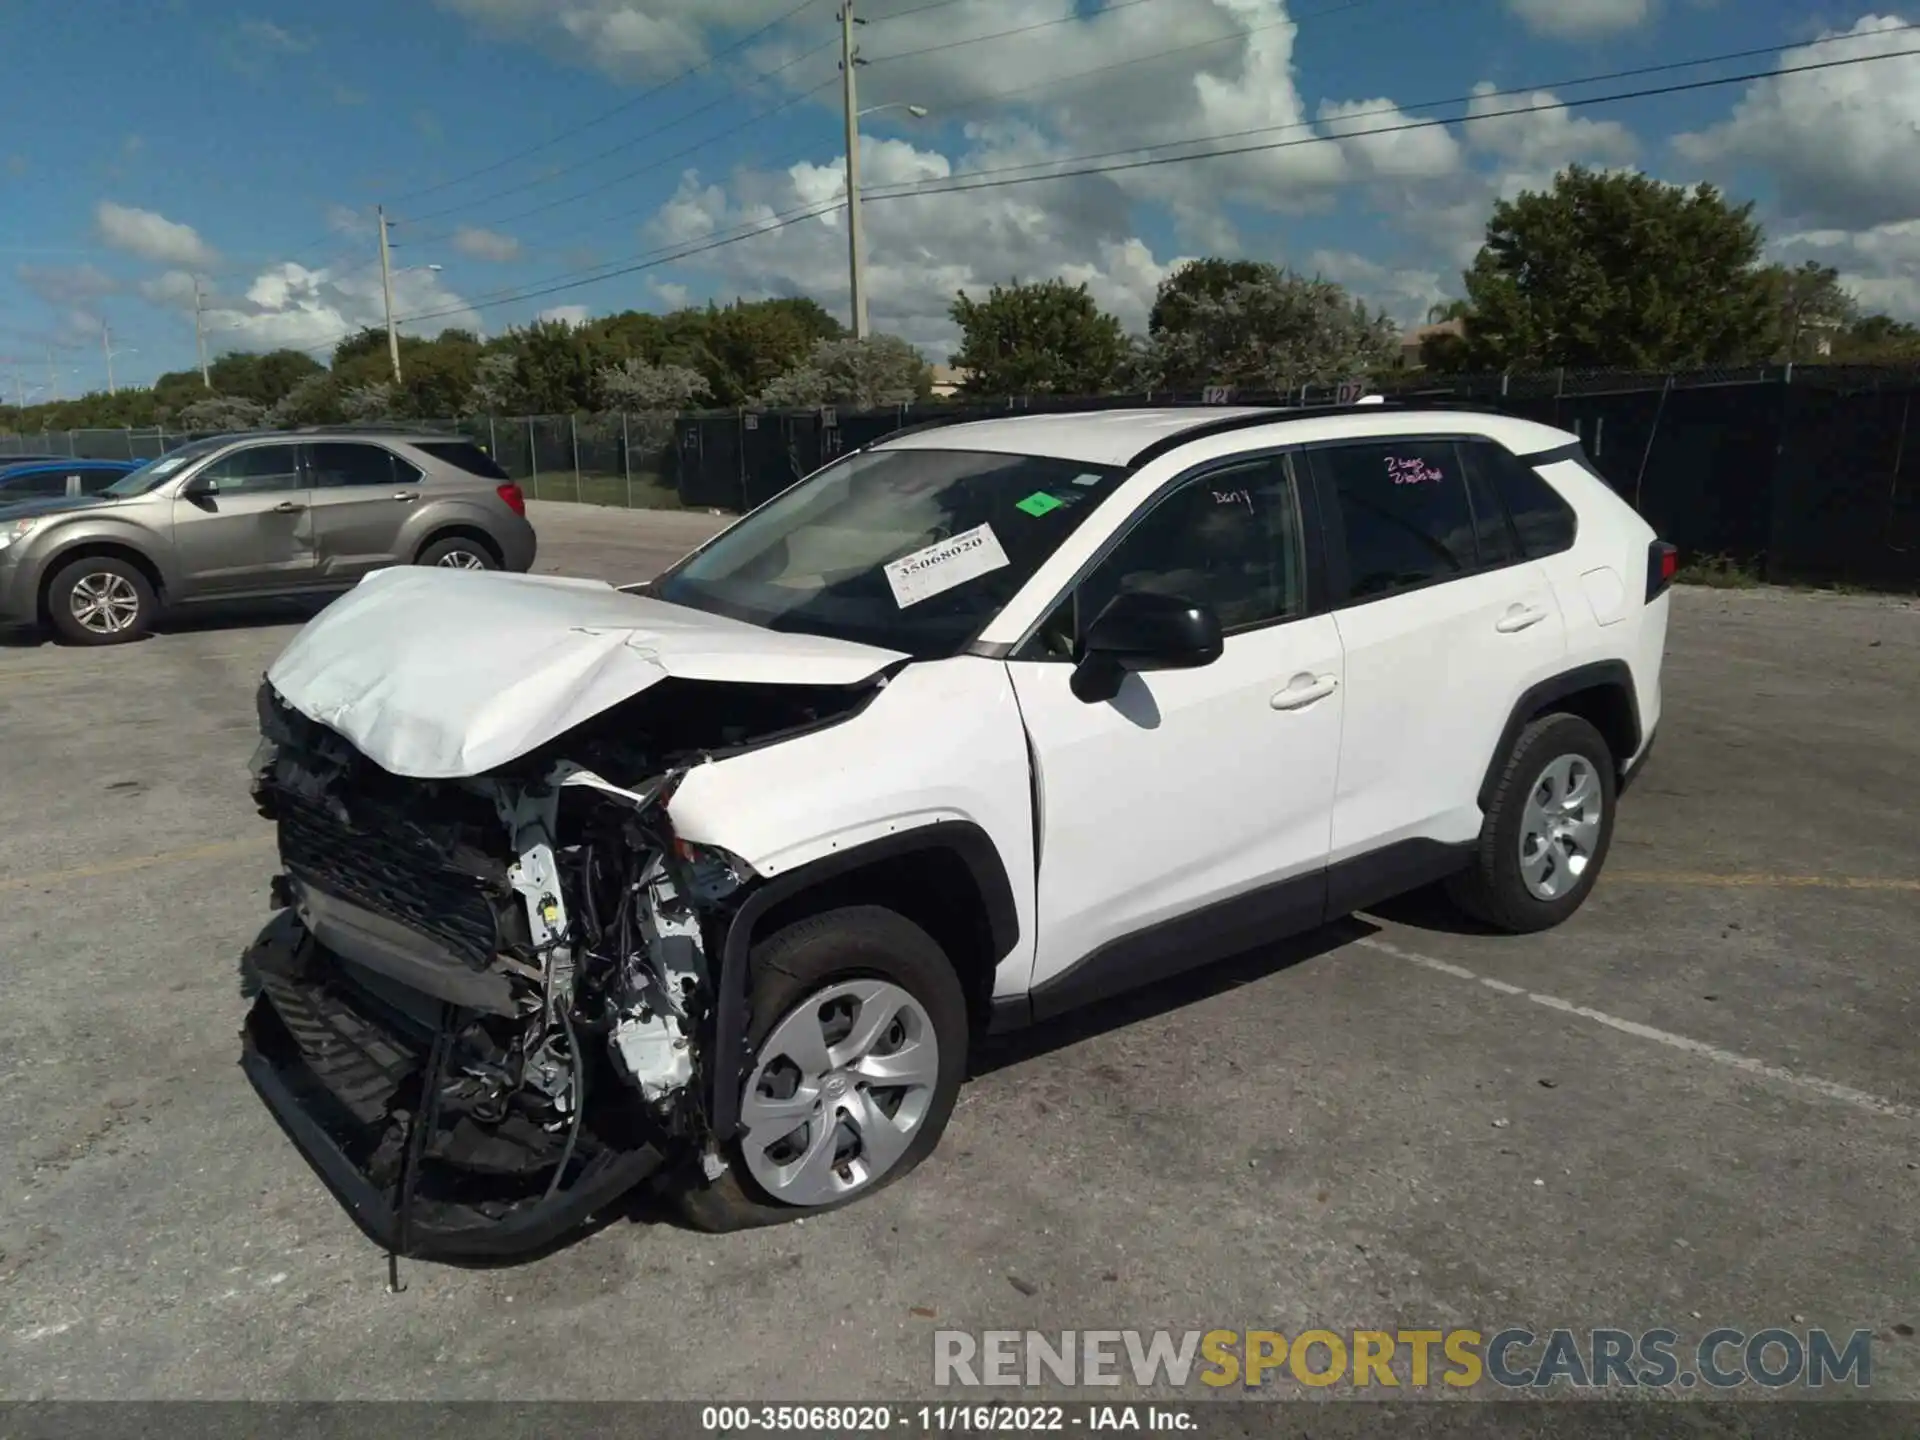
(607, 115)
(1148, 162)
(792, 101)
(1666, 67)
(972, 180)
(627, 144)
(1074, 19)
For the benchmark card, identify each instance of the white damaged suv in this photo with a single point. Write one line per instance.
(713, 883)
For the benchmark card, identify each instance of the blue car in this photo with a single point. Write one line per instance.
(42, 479)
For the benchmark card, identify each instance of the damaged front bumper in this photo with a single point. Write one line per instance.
(346, 1083)
(483, 1011)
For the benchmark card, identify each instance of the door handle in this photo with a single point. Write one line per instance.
(406, 497)
(1298, 695)
(1518, 618)
(288, 507)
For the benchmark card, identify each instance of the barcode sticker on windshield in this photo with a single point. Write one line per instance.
(940, 567)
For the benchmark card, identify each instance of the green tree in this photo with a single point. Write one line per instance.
(1211, 278)
(1810, 306)
(219, 414)
(314, 401)
(1619, 271)
(557, 365)
(1878, 340)
(860, 374)
(1044, 338)
(1264, 328)
(265, 380)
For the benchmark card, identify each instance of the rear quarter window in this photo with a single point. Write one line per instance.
(1544, 522)
(463, 455)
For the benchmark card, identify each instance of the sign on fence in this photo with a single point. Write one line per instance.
(1350, 392)
(1217, 394)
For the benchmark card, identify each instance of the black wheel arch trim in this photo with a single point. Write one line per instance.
(1537, 697)
(968, 841)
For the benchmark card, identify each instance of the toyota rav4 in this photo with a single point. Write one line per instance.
(713, 882)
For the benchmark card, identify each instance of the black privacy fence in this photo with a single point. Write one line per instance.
(1799, 474)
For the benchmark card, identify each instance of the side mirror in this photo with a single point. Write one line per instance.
(201, 487)
(1140, 631)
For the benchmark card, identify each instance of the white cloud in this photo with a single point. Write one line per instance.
(289, 305)
(1842, 145)
(574, 315)
(1880, 265)
(920, 250)
(1580, 19)
(1405, 293)
(67, 284)
(1409, 154)
(151, 235)
(472, 241)
(268, 36)
(345, 220)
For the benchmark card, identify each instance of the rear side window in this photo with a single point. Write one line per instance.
(463, 455)
(336, 465)
(1403, 511)
(1544, 522)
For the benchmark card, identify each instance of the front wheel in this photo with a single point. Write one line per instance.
(101, 600)
(1547, 829)
(858, 1040)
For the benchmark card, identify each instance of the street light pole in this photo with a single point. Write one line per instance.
(856, 261)
(106, 345)
(200, 335)
(386, 286)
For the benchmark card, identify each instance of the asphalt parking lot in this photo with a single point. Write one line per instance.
(1695, 1105)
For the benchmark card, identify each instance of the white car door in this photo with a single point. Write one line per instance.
(1188, 817)
(1443, 624)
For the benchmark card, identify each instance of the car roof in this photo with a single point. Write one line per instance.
(1132, 437)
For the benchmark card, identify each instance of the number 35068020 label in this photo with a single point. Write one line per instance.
(941, 566)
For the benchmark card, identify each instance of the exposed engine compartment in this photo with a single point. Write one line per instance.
(495, 991)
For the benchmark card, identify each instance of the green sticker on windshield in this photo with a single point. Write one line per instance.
(1039, 503)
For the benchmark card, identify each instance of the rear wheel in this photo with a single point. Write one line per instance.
(457, 552)
(101, 600)
(1547, 831)
(858, 1040)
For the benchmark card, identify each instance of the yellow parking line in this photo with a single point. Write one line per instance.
(1762, 882)
(135, 862)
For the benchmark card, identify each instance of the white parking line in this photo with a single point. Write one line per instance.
(1831, 1090)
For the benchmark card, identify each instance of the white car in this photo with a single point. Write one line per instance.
(716, 881)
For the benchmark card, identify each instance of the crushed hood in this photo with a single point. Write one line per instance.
(436, 673)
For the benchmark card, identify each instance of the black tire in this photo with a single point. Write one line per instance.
(102, 575)
(439, 551)
(860, 942)
(1492, 888)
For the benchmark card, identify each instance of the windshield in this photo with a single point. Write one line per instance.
(155, 473)
(914, 550)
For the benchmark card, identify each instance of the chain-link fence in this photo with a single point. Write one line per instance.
(1801, 472)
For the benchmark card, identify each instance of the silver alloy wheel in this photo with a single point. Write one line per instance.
(461, 560)
(838, 1092)
(104, 603)
(1560, 826)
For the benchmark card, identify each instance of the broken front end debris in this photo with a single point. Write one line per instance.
(485, 1008)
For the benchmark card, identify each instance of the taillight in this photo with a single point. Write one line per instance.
(1663, 563)
(516, 500)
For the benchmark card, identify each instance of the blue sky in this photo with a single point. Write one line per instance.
(150, 144)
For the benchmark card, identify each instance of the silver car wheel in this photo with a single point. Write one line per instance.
(1560, 826)
(461, 560)
(104, 603)
(839, 1091)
